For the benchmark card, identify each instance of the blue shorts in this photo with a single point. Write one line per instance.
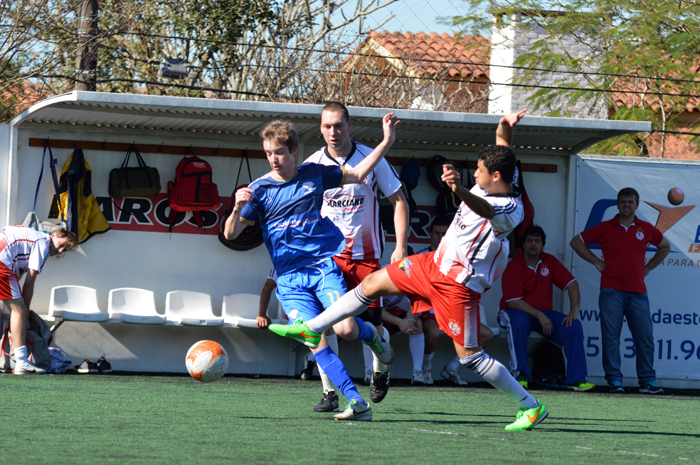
(306, 292)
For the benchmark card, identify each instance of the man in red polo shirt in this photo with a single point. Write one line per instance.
(624, 240)
(527, 306)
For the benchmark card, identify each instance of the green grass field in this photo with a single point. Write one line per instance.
(104, 419)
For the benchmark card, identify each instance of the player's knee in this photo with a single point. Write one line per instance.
(576, 328)
(374, 285)
(17, 307)
(432, 333)
(486, 335)
(346, 329)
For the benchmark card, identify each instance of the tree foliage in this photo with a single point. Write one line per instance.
(31, 49)
(639, 58)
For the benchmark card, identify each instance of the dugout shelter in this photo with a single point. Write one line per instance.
(141, 252)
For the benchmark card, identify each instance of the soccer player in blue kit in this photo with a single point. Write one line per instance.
(302, 243)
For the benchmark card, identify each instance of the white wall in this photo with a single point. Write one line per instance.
(163, 262)
(510, 41)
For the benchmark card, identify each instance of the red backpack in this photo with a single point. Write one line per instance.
(193, 190)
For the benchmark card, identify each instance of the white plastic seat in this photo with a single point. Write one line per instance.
(132, 305)
(241, 310)
(75, 303)
(496, 330)
(190, 308)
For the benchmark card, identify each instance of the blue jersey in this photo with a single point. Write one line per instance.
(295, 233)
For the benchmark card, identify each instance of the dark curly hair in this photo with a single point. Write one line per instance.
(499, 158)
(535, 231)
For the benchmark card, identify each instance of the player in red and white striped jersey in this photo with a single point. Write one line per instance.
(25, 250)
(354, 209)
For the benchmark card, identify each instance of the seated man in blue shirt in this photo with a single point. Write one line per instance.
(302, 243)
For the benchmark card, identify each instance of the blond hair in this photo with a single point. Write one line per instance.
(282, 132)
(72, 238)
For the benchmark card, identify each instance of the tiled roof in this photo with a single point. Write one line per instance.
(627, 99)
(433, 52)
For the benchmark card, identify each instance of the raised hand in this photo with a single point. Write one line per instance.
(389, 122)
(451, 177)
(243, 196)
(513, 118)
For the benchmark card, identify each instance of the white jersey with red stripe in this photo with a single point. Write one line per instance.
(353, 208)
(474, 250)
(23, 248)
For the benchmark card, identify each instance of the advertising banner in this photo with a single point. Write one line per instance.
(151, 214)
(669, 199)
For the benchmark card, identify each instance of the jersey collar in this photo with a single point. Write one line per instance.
(335, 160)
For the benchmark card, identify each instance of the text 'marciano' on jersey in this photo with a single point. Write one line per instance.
(354, 208)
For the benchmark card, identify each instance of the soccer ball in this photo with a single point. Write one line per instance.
(206, 361)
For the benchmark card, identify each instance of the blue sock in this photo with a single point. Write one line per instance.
(334, 368)
(366, 334)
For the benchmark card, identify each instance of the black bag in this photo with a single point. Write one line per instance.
(252, 236)
(140, 181)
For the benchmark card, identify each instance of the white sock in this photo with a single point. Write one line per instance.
(368, 356)
(453, 365)
(328, 385)
(416, 344)
(21, 354)
(378, 366)
(498, 376)
(428, 361)
(333, 343)
(351, 304)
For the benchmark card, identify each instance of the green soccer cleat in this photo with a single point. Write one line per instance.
(380, 346)
(523, 381)
(528, 418)
(581, 386)
(298, 332)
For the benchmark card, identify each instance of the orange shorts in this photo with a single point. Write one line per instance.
(456, 306)
(354, 271)
(9, 286)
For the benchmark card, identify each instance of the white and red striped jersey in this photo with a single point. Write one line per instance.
(353, 207)
(474, 250)
(23, 248)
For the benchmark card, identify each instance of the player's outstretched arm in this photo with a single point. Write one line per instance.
(233, 226)
(481, 207)
(357, 174)
(263, 321)
(504, 131)
(401, 220)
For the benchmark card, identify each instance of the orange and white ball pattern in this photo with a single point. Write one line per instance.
(206, 361)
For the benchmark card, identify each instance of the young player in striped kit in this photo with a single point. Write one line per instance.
(25, 250)
(471, 256)
(353, 208)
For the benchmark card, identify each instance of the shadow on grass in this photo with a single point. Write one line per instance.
(618, 432)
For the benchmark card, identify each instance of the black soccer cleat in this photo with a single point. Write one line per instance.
(379, 386)
(329, 403)
(307, 373)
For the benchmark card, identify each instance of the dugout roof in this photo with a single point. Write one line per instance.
(422, 131)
